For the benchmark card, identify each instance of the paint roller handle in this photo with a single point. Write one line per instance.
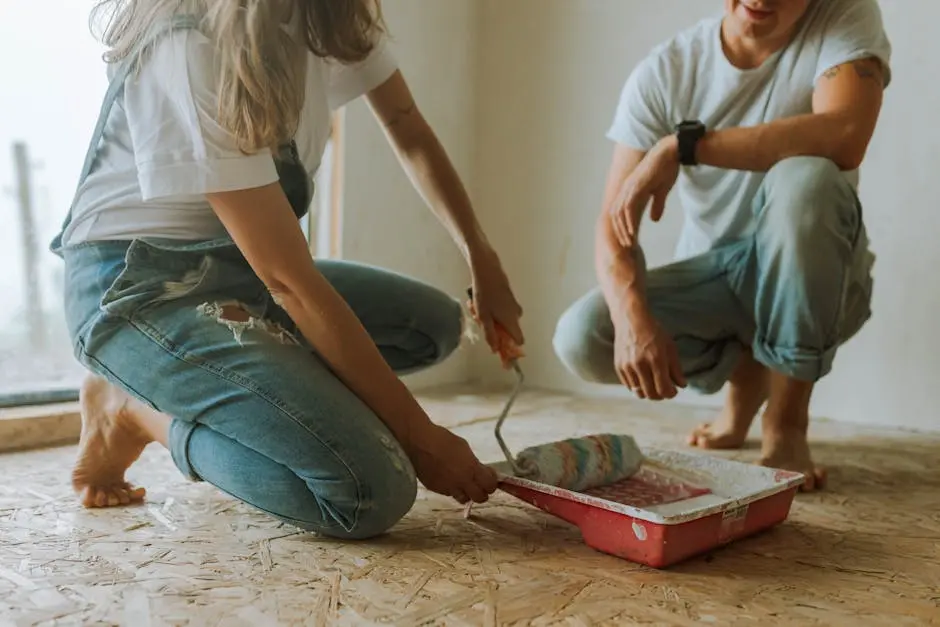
(507, 348)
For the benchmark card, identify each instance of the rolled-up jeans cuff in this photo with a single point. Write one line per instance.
(795, 362)
(180, 433)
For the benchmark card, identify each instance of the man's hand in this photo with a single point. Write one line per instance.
(646, 359)
(651, 181)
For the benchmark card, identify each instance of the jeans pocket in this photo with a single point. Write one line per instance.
(158, 271)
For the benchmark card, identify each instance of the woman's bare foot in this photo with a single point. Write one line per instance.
(789, 450)
(111, 440)
(747, 392)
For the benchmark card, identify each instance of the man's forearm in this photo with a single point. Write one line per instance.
(759, 148)
(621, 273)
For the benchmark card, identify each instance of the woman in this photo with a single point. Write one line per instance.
(191, 292)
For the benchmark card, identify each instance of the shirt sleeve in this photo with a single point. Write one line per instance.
(349, 81)
(179, 147)
(854, 30)
(640, 120)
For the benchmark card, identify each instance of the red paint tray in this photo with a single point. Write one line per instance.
(678, 505)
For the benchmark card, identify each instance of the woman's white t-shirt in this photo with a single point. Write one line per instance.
(162, 149)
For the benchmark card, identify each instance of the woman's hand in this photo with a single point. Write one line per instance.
(445, 464)
(651, 181)
(494, 304)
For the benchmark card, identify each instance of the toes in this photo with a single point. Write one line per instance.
(815, 479)
(699, 435)
(135, 494)
(809, 482)
(123, 496)
(820, 475)
(93, 497)
(88, 497)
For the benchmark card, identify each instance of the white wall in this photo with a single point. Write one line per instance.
(549, 75)
(385, 221)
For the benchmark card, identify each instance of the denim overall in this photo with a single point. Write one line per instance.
(255, 410)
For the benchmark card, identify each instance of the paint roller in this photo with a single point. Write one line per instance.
(576, 464)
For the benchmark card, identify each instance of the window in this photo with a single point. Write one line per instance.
(325, 221)
(52, 92)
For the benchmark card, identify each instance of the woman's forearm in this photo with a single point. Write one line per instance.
(433, 174)
(332, 328)
(274, 245)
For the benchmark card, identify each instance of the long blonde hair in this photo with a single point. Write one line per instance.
(261, 85)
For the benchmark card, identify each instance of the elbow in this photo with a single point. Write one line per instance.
(285, 288)
(851, 147)
(281, 295)
(849, 159)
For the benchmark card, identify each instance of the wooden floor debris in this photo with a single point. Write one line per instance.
(865, 552)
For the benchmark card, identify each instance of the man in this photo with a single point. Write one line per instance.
(776, 102)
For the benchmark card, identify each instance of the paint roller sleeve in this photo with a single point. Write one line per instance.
(584, 463)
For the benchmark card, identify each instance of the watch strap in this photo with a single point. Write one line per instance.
(688, 134)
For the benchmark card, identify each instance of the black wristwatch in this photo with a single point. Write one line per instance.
(688, 132)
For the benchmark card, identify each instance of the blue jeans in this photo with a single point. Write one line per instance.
(256, 412)
(792, 293)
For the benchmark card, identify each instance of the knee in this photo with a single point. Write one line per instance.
(578, 346)
(372, 502)
(807, 203)
(384, 508)
(447, 326)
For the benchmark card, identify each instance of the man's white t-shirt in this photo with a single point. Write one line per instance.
(163, 149)
(689, 78)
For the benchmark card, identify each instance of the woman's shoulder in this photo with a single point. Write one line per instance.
(186, 57)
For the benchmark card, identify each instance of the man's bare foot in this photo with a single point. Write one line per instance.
(728, 432)
(111, 441)
(748, 390)
(790, 451)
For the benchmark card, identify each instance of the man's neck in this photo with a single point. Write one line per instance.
(747, 53)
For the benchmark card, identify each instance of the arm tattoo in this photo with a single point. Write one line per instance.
(864, 68)
(402, 113)
(869, 68)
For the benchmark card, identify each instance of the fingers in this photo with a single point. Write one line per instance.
(631, 380)
(653, 381)
(675, 367)
(489, 331)
(663, 381)
(487, 479)
(619, 227)
(514, 330)
(658, 208)
(646, 382)
(481, 484)
(476, 494)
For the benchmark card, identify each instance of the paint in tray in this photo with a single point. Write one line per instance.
(678, 505)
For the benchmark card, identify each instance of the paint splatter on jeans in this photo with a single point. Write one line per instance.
(190, 330)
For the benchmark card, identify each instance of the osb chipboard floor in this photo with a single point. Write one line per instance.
(866, 552)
